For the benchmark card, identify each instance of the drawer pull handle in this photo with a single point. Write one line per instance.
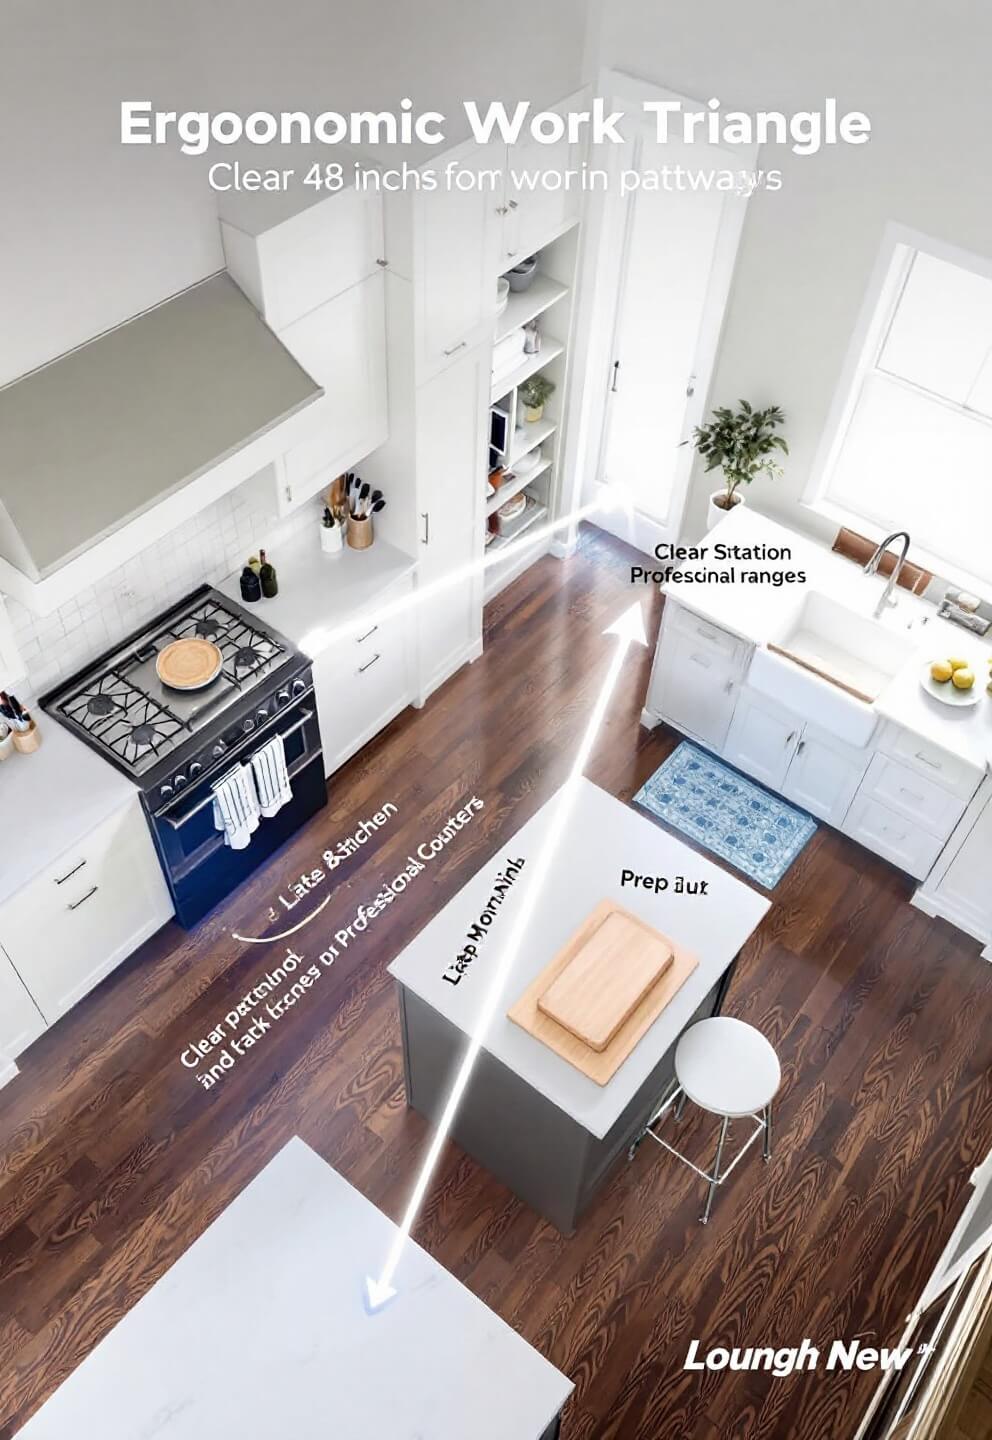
(911, 793)
(74, 871)
(934, 764)
(455, 348)
(361, 638)
(790, 737)
(362, 668)
(701, 660)
(88, 896)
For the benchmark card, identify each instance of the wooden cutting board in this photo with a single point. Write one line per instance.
(188, 664)
(615, 960)
(600, 1065)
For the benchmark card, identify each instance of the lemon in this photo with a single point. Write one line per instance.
(956, 663)
(941, 671)
(963, 678)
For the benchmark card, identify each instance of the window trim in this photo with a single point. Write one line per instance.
(878, 308)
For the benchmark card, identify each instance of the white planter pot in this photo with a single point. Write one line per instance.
(714, 512)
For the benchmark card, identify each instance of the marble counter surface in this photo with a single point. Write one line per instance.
(757, 613)
(52, 799)
(602, 838)
(318, 593)
(259, 1331)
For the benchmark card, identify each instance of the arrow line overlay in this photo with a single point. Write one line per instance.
(629, 629)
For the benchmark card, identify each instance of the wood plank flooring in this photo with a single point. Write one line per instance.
(113, 1158)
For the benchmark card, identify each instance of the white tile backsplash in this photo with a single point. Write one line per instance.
(204, 549)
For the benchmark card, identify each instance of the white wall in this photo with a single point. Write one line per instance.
(93, 232)
(921, 71)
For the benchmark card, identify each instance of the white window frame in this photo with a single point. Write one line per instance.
(888, 279)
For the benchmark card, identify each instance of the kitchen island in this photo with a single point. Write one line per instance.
(259, 1330)
(535, 1121)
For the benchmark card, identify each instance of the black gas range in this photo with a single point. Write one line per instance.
(176, 744)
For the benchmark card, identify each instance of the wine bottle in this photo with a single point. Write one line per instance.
(267, 575)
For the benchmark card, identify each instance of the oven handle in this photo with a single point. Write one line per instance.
(188, 815)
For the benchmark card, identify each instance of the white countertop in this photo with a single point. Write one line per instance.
(318, 593)
(51, 799)
(759, 612)
(260, 1331)
(603, 837)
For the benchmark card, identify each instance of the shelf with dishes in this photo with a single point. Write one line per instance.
(513, 481)
(528, 437)
(527, 515)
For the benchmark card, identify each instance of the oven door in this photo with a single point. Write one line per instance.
(200, 866)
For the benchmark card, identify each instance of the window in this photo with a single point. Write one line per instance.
(910, 446)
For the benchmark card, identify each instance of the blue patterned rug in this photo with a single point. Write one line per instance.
(725, 812)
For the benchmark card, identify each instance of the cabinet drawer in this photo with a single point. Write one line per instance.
(929, 760)
(896, 838)
(361, 684)
(913, 795)
(72, 924)
(709, 637)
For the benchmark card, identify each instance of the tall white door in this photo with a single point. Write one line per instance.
(676, 252)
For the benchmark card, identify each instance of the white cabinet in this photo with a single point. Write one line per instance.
(958, 887)
(20, 1019)
(891, 835)
(364, 679)
(444, 241)
(342, 344)
(288, 262)
(762, 739)
(824, 774)
(451, 465)
(695, 676)
(77, 920)
(534, 213)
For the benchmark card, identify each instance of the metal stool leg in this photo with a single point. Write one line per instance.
(679, 1108)
(768, 1133)
(715, 1177)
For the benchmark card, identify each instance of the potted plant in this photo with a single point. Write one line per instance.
(534, 394)
(742, 444)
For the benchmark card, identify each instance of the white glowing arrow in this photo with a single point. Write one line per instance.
(629, 629)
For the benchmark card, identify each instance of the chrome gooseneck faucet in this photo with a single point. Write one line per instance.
(885, 600)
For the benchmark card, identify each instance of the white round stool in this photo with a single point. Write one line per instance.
(728, 1069)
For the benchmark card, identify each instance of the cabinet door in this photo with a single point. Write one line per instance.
(535, 214)
(451, 467)
(964, 890)
(896, 838)
(454, 265)
(73, 924)
(693, 686)
(824, 776)
(343, 346)
(306, 260)
(20, 1019)
(762, 739)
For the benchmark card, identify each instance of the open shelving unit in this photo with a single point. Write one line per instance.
(548, 301)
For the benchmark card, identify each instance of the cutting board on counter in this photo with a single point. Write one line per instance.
(603, 990)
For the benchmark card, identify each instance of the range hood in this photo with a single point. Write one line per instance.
(105, 433)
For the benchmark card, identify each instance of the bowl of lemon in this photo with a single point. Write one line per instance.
(952, 679)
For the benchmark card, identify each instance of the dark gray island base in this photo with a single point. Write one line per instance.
(527, 1142)
(538, 1124)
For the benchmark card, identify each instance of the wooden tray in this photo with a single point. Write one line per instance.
(602, 1065)
(188, 664)
(615, 958)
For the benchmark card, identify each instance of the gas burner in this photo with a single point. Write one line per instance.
(100, 705)
(144, 735)
(246, 657)
(208, 628)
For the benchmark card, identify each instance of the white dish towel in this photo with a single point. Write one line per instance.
(271, 776)
(236, 809)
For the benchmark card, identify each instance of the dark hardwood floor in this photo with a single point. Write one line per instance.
(113, 1159)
